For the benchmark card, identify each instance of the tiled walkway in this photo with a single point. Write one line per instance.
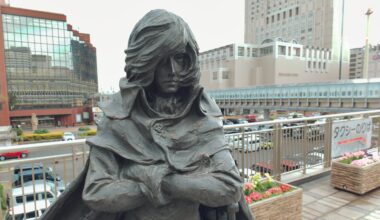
(321, 201)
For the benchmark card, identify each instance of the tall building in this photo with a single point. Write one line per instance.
(316, 23)
(46, 68)
(357, 62)
(273, 62)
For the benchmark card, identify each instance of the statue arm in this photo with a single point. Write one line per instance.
(220, 185)
(104, 190)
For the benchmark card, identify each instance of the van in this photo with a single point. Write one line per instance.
(29, 211)
(37, 192)
(39, 174)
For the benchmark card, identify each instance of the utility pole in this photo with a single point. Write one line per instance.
(366, 50)
(341, 43)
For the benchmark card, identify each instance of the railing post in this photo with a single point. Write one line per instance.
(305, 146)
(242, 130)
(276, 156)
(327, 150)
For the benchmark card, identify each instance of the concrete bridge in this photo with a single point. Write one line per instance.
(340, 96)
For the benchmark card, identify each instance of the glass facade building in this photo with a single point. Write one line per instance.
(46, 65)
(48, 68)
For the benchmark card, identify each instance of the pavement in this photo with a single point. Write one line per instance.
(321, 201)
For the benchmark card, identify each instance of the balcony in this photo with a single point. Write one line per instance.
(291, 150)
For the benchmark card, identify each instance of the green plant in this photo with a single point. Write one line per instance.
(84, 129)
(41, 131)
(19, 131)
(3, 202)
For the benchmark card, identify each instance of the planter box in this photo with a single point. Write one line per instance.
(355, 179)
(285, 206)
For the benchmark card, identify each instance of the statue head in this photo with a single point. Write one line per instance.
(162, 52)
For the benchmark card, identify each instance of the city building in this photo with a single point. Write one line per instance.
(357, 61)
(47, 68)
(316, 23)
(273, 62)
(286, 41)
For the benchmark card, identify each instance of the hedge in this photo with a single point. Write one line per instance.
(37, 137)
(87, 133)
(3, 202)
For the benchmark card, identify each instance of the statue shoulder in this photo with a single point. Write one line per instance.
(208, 105)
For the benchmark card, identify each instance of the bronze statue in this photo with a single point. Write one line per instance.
(159, 153)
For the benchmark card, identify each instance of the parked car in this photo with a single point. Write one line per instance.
(28, 167)
(14, 154)
(37, 192)
(27, 211)
(68, 136)
(27, 178)
(251, 143)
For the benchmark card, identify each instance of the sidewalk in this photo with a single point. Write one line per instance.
(321, 201)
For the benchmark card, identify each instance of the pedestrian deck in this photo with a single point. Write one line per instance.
(321, 201)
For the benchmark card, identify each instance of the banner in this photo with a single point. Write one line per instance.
(350, 136)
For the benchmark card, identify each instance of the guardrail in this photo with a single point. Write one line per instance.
(277, 147)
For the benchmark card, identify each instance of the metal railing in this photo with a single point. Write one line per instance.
(286, 146)
(32, 184)
(278, 147)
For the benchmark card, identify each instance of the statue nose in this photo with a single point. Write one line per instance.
(175, 66)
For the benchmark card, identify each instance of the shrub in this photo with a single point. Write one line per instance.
(3, 202)
(41, 131)
(19, 131)
(84, 129)
(48, 136)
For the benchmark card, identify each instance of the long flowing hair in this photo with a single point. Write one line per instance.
(158, 34)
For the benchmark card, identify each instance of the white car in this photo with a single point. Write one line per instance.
(68, 136)
(27, 211)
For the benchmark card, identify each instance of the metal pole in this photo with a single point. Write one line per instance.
(366, 50)
(341, 43)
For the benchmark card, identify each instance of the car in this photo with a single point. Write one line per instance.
(14, 154)
(27, 211)
(36, 192)
(35, 176)
(28, 167)
(68, 136)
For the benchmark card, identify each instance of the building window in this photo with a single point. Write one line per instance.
(272, 18)
(282, 50)
(231, 51)
(309, 64)
(314, 65)
(284, 15)
(225, 75)
(290, 13)
(248, 51)
(278, 16)
(240, 51)
(215, 75)
(324, 65)
(297, 10)
(267, 20)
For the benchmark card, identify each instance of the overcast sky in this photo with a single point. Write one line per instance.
(215, 23)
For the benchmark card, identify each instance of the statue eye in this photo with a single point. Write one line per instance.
(180, 58)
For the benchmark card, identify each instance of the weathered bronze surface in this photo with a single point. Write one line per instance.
(159, 153)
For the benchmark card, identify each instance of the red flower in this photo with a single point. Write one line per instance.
(255, 196)
(275, 190)
(267, 194)
(248, 199)
(284, 187)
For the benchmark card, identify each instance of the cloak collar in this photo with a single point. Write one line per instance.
(121, 104)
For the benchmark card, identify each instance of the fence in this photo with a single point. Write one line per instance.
(276, 147)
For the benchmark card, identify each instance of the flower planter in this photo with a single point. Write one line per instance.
(284, 206)
(356, 179)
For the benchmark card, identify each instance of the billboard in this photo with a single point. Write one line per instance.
(350, 136)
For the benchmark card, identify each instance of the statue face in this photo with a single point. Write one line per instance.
(167, 72)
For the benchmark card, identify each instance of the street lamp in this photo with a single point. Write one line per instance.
(366, 50)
